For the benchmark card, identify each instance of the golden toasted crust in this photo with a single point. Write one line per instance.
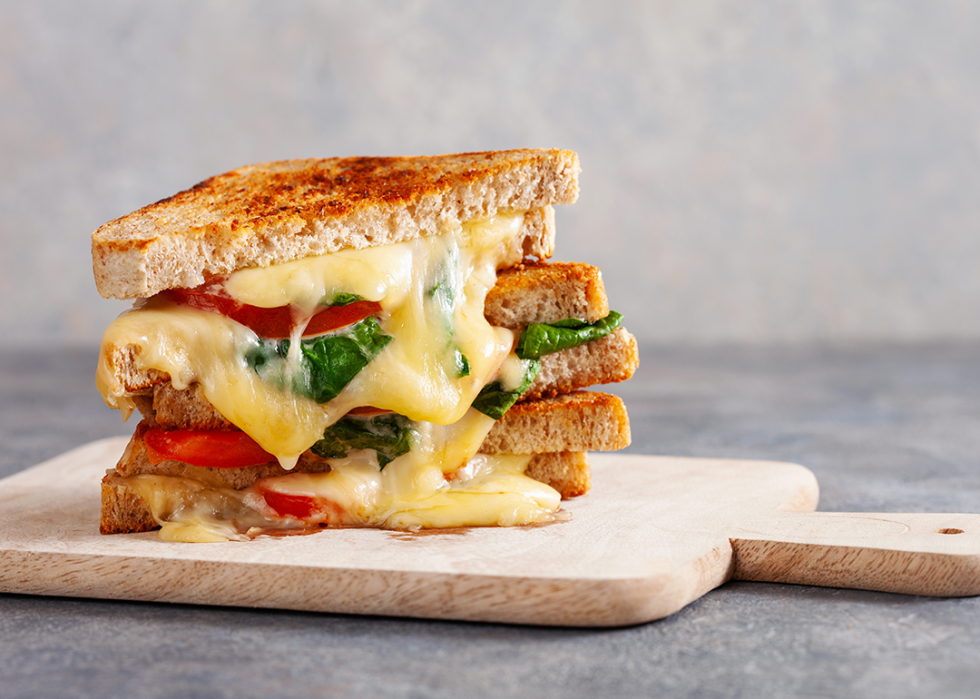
(186, 409)
(567, 472)
(546, 292)
(123, 510)
(609, 359)
(579, 421)
(275, 212)
(123, 364)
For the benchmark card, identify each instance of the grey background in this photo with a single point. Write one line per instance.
(764, 172)
(781, 175)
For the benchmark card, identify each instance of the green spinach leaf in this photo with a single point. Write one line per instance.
(440, 307)
(389, 434)
(343, 299)
(327, 362)
(539, 339)
(494, 400)
(462, 364)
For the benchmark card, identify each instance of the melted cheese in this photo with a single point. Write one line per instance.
(414, 375)
(412, 492)
(381, 273)
(196, 346)
(431, 291)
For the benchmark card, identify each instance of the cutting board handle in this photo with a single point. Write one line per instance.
(917, 554)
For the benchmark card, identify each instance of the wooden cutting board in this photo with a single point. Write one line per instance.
(654, 534)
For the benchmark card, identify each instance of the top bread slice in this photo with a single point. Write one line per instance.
(275, 212)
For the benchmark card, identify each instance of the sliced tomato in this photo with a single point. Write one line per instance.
(310, 509)
(367, 411)
(210, 448)
(336, 317)
(286, 505)
(274, 323)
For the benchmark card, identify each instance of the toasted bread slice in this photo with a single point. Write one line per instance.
(545, 292)
(124, 511)
(567, 472)
(587, 421)
(578, 421)
(609, 359)
(135, 461)
(270, 213)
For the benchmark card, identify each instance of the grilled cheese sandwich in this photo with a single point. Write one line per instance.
(352, 388)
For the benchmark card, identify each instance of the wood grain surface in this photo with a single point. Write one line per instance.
(654, 534)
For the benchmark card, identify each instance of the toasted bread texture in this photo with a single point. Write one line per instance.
(275, 212)
(609, 359)
(124, 511)
(585, 420)
(577, 421)
(568, 472)
(546, 292)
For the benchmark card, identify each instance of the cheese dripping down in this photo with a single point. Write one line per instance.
(412, 376)
(412, 492)
(440, 483)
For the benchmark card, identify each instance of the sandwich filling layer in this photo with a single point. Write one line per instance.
(429, 354)
(410, 492)
(430, 349)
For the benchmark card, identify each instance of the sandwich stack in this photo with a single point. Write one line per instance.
(356, 342)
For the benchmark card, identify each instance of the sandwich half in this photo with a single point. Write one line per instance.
(356, 342)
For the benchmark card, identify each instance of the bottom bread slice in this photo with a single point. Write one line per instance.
(125, 511)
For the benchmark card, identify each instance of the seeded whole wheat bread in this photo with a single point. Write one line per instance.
(270, 213)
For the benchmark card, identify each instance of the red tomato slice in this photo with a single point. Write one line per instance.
(313, 510)
(210, 448)
(285, 505)
(275, 323)
(368, 410)
(336, 317)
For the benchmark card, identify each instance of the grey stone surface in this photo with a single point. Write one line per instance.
(884, 428)
(754, 172)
